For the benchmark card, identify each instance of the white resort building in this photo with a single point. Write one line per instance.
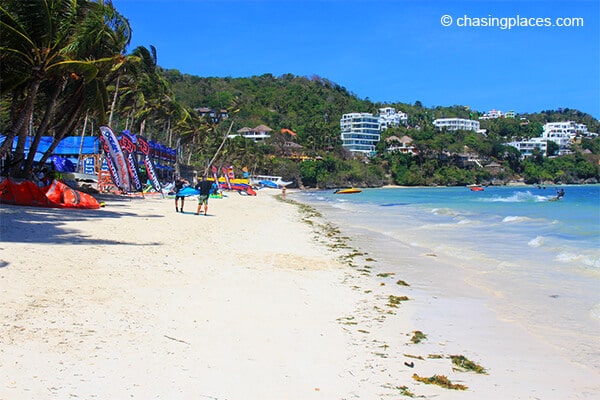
(526, 147)
(561, 133)
(455, 124)
(360, 132)
(388, 116)
(492, 114)
(258, 134)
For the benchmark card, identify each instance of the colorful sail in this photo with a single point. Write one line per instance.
(144, 148)
(115, 159)
(226, 174)
(215, 172)
(129, 147)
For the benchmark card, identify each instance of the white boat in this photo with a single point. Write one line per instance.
(268, 181)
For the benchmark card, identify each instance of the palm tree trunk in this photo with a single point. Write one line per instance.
(67, 129)
(17, 129)
(219, 149)
(169, 131)
(43, 128)
(114, 101)
(85, 120)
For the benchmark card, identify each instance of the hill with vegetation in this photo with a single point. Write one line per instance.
(64, 77)
(312, 107)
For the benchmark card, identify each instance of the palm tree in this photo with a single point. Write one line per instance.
(57, 49)
(144, 95)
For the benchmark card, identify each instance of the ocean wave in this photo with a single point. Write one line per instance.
(586, 260)
(516, 218)
(464, 221)
(537, 242)
(444, 211)
(595, 312)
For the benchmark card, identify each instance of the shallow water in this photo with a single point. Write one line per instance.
(536, 260)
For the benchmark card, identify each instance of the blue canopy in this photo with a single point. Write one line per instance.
(68, 146)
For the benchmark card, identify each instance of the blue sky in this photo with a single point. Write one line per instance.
(388, 50)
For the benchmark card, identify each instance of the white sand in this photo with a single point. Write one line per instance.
(250, 302)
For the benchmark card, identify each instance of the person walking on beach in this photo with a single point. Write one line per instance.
(180, 183)
(204, 187)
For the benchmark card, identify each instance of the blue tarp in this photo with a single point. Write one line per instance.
(69, 146)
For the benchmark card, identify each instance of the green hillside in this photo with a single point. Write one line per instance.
(313, 106)
(66, 77)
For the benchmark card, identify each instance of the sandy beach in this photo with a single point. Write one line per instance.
(260, 299)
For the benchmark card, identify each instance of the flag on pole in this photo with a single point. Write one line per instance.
(115, 159)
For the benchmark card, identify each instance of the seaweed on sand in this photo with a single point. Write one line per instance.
(462, 363)
(417, 337)
(440, 380)
(404, 391)
(393, 301)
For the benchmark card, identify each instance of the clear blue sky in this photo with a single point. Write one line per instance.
(388, 50)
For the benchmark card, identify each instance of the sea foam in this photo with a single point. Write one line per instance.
(516, 218)
(518, 197)
(537, 242)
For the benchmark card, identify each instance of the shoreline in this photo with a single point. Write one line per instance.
(521, 361)
(262, 299)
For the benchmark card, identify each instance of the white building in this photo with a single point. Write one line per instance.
(389, 117)
(492, 114)
(258, 134)
(360, 132)
(561, 133)
(526, 147)
(455, 124)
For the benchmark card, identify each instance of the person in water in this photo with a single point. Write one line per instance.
(560, 193)
(180, 183)
(204, 187)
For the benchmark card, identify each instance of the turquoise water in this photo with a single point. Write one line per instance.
(537, 261)
(512, 224)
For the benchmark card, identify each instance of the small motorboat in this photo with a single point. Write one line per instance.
(476, 188)
(347, 191)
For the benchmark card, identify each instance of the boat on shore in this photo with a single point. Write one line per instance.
(347, 191)
(269, 181)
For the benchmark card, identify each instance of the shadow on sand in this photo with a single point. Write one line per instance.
(47, 225)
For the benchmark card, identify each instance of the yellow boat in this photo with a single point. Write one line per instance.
(347, 191)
